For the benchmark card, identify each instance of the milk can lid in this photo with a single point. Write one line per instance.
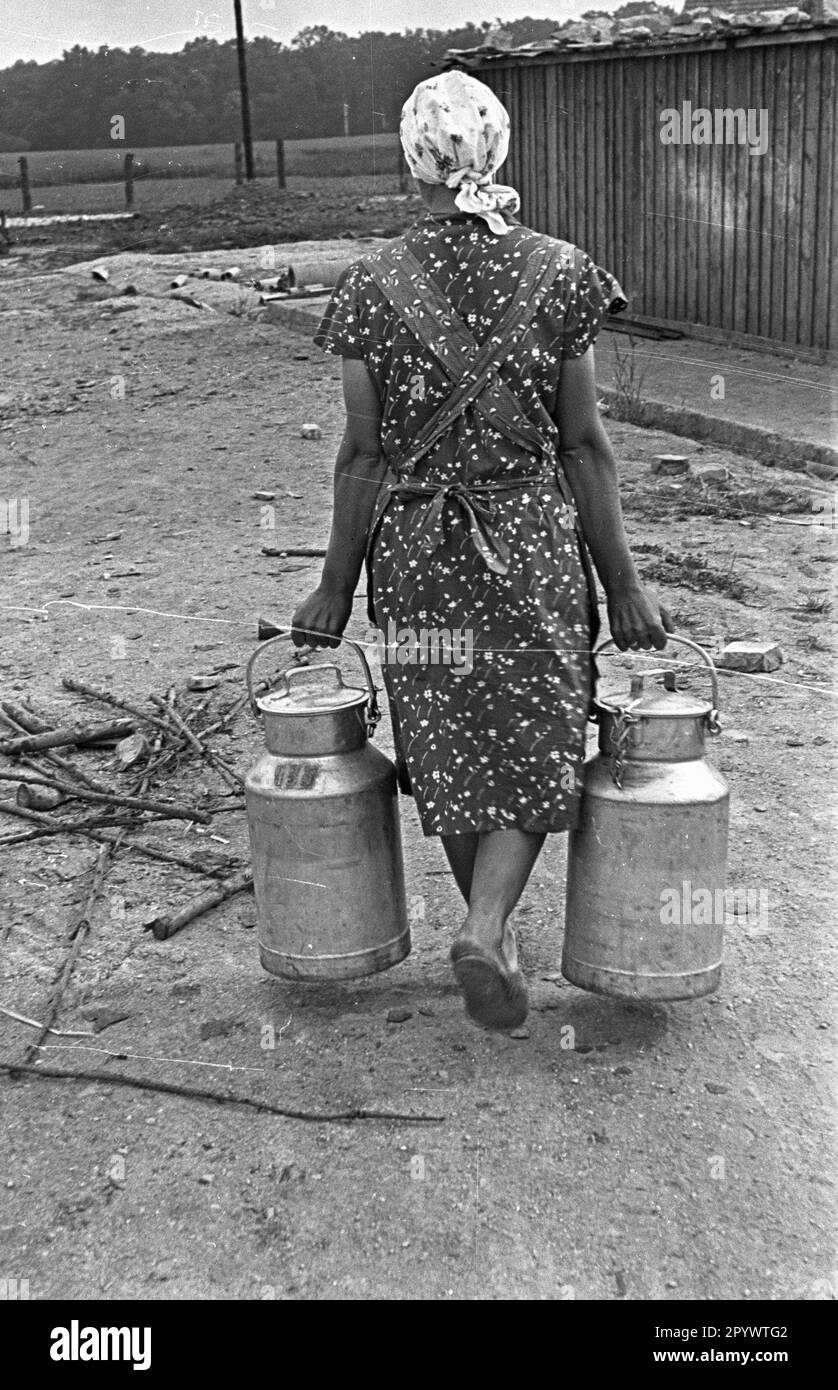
(656, 701)
(312, 696)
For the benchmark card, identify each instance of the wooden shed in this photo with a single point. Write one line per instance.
(717, 238)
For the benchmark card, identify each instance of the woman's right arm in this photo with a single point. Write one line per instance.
(359, 471)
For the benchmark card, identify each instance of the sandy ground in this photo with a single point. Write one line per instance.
(677, 1151)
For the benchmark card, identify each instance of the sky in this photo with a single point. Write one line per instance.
(42, 29)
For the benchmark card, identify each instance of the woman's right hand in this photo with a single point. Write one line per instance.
(637, 619)
(320, 619)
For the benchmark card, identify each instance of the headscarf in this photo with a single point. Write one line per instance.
(455, 131)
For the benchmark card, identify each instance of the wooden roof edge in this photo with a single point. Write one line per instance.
(733, 37)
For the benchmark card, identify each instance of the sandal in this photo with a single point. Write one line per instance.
(495, 995)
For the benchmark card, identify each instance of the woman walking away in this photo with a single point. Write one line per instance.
(473, 471)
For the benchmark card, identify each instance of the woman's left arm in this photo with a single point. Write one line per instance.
(636, 619)
(359, 471)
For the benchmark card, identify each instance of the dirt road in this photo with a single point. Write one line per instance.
(675, 1151)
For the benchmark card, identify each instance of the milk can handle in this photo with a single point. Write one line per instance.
(373, 712)
(713, 716)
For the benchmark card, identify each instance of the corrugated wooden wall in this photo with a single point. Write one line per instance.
(704, 234)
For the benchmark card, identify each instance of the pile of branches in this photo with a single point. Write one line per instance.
(56, 795)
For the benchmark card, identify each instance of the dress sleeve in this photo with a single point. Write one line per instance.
(594, 294)
(340, 330)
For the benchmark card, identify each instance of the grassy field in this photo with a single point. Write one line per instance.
(160, 194)
(337, 157)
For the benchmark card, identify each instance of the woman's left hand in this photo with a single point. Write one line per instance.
(637, 619)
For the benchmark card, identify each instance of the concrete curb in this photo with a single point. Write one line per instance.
(767, 447)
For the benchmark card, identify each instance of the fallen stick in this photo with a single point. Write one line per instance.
(79, 928)
(160, 757)
(64, 738)
(239, 704)
(230, 777)
(71, 770)
(170, 1088)
(106, 698)
(56, 1032)
(167, 857)
(171, 810)
(63, 763)
(47, 825)
(307, 554)
(29, 723)
(162, 928)
(142, 784)
(48, 822)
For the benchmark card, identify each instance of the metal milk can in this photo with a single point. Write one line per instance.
(651, 842)
(325, 840)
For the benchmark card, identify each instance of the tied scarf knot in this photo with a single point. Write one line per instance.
(477, 193)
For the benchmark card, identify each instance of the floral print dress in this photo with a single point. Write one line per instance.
(495, 742)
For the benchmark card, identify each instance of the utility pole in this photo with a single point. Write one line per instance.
(247, 134)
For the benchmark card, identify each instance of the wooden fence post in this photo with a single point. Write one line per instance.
(280, 163)
(239, 158)
(26, 191)
(129, 180)
(402, 170)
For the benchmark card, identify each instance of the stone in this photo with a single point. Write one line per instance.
(38, 798)
(129, 750)
(519, 1034)
(670, 465)
(399, 1015)
(712, 473)
(751, 656)
(104, 1018)
(310, 431)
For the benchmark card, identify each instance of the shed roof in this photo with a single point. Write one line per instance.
(603, 33)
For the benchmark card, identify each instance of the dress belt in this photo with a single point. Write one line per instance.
(469, 497)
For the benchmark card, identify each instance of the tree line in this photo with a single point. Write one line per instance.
(322, 84)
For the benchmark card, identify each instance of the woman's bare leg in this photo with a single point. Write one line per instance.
(461, 851)
(484, 956)
(502, 865)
